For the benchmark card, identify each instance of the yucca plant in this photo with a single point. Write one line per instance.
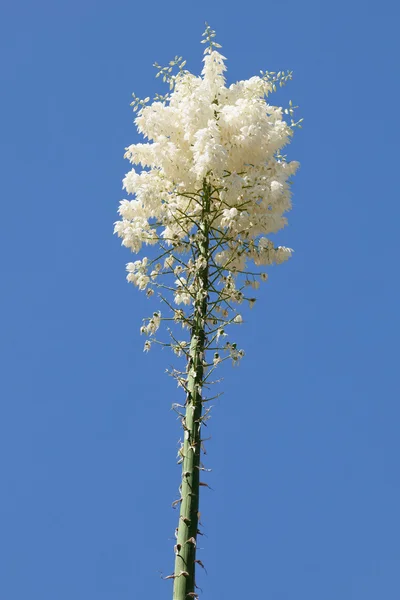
(213, 185)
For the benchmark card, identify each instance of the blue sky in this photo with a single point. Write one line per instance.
(305, 446)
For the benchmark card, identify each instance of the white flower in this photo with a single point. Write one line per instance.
(180, 348)
(220, 333)
(180, 282)
(216, 359)
(201, 263)
(182, 297)
(228, 217)
(179, 315)
(168, 262)
(142, 282)
(238, 319)
(154, 323)
(282, 254)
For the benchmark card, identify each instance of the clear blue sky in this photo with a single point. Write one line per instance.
(305, 442)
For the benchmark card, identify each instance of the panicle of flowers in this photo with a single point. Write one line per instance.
(226, 139)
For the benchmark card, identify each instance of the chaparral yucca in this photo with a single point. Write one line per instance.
(212, 187)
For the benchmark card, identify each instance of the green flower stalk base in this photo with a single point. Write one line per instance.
(185, 549)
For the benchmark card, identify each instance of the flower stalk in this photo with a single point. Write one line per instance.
(185, 549)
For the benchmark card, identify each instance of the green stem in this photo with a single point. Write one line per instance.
(185, 549)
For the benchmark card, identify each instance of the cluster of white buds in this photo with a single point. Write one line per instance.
(137, 273)
(180, 348)
(234, 353)
(152, 325)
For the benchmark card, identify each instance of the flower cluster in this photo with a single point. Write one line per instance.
(223, 143)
